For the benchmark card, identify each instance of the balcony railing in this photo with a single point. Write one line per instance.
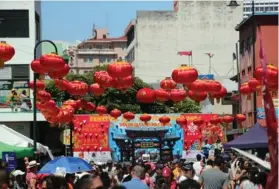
(96, 51)
(18, 106)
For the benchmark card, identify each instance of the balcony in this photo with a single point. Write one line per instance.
(95, 51)
(21, 110)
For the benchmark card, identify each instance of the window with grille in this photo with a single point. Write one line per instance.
(20, 72)
(14, 23)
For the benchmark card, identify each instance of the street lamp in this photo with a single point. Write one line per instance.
(36, 75)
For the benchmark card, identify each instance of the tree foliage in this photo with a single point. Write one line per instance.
(127, 101)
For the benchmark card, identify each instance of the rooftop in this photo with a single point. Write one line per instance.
(248, 19)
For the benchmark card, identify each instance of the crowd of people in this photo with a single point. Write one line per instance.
(212, 173)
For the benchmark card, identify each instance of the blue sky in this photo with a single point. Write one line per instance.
(70, 21)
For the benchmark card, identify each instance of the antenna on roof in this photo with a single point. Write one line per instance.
(94, 32)
(107, 22)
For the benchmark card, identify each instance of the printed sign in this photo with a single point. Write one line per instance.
(208, 76)
(261, 113)
(9, 159)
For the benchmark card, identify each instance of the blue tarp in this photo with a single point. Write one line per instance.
(256, 137)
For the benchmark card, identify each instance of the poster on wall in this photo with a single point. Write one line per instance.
(91, 137)
(9, 159)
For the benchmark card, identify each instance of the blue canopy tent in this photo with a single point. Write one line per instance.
(256, 137)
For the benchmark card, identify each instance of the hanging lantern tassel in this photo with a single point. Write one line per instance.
(88, 148)
(96, 135)
(96, 148)
(100, 148)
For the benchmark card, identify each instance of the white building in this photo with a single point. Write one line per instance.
(156, 37)
(259, 6)
(20, 26)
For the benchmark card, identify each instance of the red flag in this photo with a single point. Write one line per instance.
(185, 53)
(210, 55)
(271, 122)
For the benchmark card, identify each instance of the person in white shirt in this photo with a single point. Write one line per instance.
(197, 165)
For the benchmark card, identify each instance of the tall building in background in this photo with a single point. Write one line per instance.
(154, 39)
(269, 26)
(261, 6)
(20, 26)
(100, 49)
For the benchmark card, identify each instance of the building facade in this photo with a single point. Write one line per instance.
(154, 39)
(260, 6)
(97, 51)
(253, 106)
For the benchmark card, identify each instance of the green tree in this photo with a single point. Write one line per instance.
(126, 101)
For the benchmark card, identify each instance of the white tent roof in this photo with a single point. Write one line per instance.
(11, 137)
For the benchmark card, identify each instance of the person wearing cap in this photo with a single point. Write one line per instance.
(187, 172)
(31, 177)
(19, 181)
(214, 178)
(166, 172)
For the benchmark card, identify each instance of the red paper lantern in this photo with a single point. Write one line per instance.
(245, 89)
(168, 84)
(123, 82)
(254, 83)
(218, 95)
(212, 86)
(103, 78)
(70, 103)
(197, 96)
(145, 118)
(52, 62)
(181, 120)
(61, 84)
(198, 122)
(198, 86)
(162, 95)
(129, 116)
(43, 96)
(185, 74)
(37, 67)
(227, 119)
(215, 120)
(6, 51)
(146, 95)
(120, 69)
(164, 120)
(40, 85)
(178, 95)
(89, 106)
(115, 113)
(59, 74)
(77, 88)
(101, 110)
(96, 89)
(240, 118)
(271, 74)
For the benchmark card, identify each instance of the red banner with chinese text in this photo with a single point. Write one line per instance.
(91, 133)
(194, 133)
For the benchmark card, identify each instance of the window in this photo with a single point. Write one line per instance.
(275, 8)
(261, 9)
(242, 47)
(102, 59)
(108, 60)
(14, 23)
(38, 26)
(86, 60)
(20, 72)
(257, 9)
(90, 60)
(90, 46)
(98, 46)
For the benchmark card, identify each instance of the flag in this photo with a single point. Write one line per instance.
(210, 55)
(234, 56)
(271, 122)
(185, 53)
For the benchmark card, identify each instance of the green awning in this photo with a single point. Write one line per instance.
(21, 152)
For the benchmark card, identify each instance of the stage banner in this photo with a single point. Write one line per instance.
(91, 139)
(191, 136)
(195, 135)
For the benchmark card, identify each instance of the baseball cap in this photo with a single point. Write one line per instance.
(17, 173)
(187, 166)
